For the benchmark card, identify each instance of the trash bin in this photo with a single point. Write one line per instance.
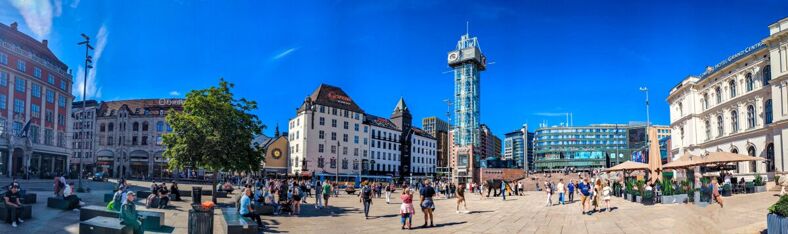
(200, 220)
(196, 195)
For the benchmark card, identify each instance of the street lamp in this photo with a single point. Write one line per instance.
(88, 66)
(648, 116)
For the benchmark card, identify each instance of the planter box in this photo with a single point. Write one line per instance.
(776, 224)
(681, 198)
(626, 196)
(639, 199)
(760, 189)
(668, 199)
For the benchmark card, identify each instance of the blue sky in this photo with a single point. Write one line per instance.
(551, 57)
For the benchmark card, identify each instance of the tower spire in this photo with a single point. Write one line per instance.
(467, 32)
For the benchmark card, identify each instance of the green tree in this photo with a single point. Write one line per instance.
(214, 131)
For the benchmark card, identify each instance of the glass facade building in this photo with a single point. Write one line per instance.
(467, 62)
(586, 147)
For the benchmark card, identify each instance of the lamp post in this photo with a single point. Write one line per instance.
(336, 176)
(88, 66)
(648, 116)
(449, 129)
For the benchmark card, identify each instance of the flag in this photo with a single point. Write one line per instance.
(23, 133)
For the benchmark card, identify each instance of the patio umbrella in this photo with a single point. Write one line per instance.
(686, 160)
(726, 157)
(628, 166)
(654, 156)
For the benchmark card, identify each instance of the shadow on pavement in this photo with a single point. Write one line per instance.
(480, 211)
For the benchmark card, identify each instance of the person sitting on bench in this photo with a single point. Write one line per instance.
(69, 195)
(247, 209)
(164, 196)
(174, 189)
(14, 205)
(129, 215)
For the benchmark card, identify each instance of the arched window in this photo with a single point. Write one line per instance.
(320, 162)
(734, 121)
(767, 74)
(720, 126)
(768, 111)
(344, 164)
(135, 126)
(705, 101)
(750, 116)
(770, 157)
(708, 130)
(103, 127)
(145, 126)
(111, 127)
(738, 165)
(732, 85)
(681, 109)
(750, 83)
(753, 165)
(718, 92)
(160, 126)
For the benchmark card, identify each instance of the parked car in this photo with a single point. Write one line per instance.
(100, 176)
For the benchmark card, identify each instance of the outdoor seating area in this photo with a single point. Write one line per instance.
(235, 223)
(62, 203)
(5, 213)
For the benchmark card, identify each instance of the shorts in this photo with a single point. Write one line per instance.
(428, 204)
(326, 196)
(583, 198)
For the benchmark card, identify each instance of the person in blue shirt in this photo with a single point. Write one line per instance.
(503, 189)
(571, 190)
(247, 210)
(585, 194)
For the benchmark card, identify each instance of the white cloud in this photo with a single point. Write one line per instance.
(93, 89)
(284, 53)
(175, 93)
(550, 114)
(58, 7)
(74, 4)
(38, 15)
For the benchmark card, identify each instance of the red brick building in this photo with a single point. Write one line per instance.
(35, 98)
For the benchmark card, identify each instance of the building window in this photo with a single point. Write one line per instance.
(708, 130)
(135, 126)
(144, 140)
(19, 85)
(749, 83)
(333, 163)
(50, 96)
(768, 112)
(37, 72)
(322, 121)
(732, 86)
(35, 111)
(344, 164)
(767, 74)
(110, 127)
(355, 164)
(750, 116)
(681, 110)
(333, 149)
(3, 101)
(718, 93)
(346, 126)
(20, 65)
(35, 90)
(4, 58)
(103, 127)
(705, 101)
(160, 126)
(49, 116)
(4, 78)
(334, 123)
(753, 165)
(333, 136)
(320, 161)
(63, 85)
(51, 79)
(145, 126)
(321, 134)
(61, 101)
(734, 121)
(720, 127)
(320, 148)
(344, 137)
(19, 106)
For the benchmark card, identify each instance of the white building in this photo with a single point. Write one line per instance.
(424, 152)
(327, 136)
(737, 106)
(384, 146)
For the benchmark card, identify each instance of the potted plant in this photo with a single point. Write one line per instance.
(726, 190)
(641, 191)
(629, 191)
(760, 184)
(667, 192)
(680, 194)
(777, 219)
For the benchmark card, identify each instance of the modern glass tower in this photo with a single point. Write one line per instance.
(467, 61)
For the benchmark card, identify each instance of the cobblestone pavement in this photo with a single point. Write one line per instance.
(518, 214)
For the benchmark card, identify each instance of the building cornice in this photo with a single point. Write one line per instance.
(728, 138)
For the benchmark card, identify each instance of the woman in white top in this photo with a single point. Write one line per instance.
(606, 195)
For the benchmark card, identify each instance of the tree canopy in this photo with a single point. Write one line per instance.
(214, 131)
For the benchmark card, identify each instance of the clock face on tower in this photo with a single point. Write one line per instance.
(454, 56)
(277, 153)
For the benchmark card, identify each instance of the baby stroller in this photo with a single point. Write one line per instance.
(286, 205)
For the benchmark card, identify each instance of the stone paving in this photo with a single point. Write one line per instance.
(518, 214)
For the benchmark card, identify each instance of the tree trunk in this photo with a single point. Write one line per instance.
(215, 181)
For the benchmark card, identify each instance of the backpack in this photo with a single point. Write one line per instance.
(366, 193)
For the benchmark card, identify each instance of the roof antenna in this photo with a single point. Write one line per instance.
(466, 28)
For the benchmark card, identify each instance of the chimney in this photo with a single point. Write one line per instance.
(45, 42)
(14, 25)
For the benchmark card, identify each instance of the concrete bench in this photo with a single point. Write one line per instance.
(27, 212)
(103, 225)
(60, 203)
(143, 194)
(235, 223)
(185, 193)
(151, 220)
(26, 198)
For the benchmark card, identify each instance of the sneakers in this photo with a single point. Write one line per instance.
(20, 220)
(13, 224)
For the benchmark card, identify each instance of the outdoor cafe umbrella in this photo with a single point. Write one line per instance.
(684, 161)
(654, 156)
(628, 166)
(726, 157)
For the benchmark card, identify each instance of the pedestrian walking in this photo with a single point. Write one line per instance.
(389, 189)
(585, 194)
(318, 195)
(461, 198)
(549, 191)
(406, 210)
(606, 196)
(427, 205)
(503, 189)
(560, 188)
(571, 190)
(365, 198)
(326, 192)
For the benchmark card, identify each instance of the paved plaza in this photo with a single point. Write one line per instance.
(518, 214)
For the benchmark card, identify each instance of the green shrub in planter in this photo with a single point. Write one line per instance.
(667, 188)
(641, 187)
(777, 219)
(759, 181)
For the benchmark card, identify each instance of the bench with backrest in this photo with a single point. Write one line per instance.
(5, 215)
(103, 225)
(151, 220)
(235, 223)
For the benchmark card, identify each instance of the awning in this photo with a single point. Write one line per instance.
(629, 166)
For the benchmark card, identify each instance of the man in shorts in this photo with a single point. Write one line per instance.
(585, 194)
(427, 205)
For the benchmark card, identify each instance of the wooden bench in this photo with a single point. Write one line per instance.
(60, 203)
(27, 212)
(151, 220)
(235, 223)
(103, 225)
